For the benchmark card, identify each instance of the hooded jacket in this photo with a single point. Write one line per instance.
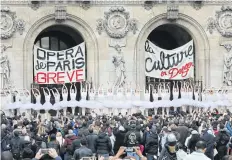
(151, 145)
(132, 138)
(119, 139)
(68, 142)
(103, 144)
(91, 141)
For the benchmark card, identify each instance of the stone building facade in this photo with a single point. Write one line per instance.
(109, 26)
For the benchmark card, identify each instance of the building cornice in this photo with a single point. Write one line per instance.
(110, 2)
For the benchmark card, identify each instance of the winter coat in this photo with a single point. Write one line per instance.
(132, 138)
(166, 155)
(183, 133)
(222, 140)
(196, 156)
(76, 144)
(151, 145)
(82, 152)
(119, 139)
(91, 141)
(209, 140)
(83, 132)
(103, 144)
(68, 142)
(192, 142)
(54, 144)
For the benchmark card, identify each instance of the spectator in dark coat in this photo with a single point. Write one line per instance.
(195, 137)
(91, 140)
(68, 144)
(103, 144)
(83, 131)
(183, 132)
(210, 141)
(83, 151)
(27, 154)
(151, 145)
(222, 140)
(6, 155)
(119, 134)
(54, 143)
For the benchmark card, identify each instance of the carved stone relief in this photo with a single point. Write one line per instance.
(35, 4)
(85, 4)
(117, 23)
(5, 68)
(228, 46)
(197, 4)
(20, 26)
(148, 4)
(172, 11)
(119, 64)
(223, 22)
(227, 78)
(9, 24)
(60, 13)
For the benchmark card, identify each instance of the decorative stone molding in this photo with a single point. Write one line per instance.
(117, 23)
(20, 26)
(197, 4)
(85, 4)
(35, 4)
(223, 22)
(228, 46)
(211, 25)
(148, 4)
(8, 23)
(172, 11)
(60, 13)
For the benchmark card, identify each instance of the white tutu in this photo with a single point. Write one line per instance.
(73, 103)
(47, 106)
(15, 105)
(28, 105)
(38, 106)
(63, 104)
(56, 106)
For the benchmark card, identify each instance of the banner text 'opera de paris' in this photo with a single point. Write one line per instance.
(58, 67)
(173, 64)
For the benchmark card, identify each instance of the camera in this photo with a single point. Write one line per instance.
(44, 151)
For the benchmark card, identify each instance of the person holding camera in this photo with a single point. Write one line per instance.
(47, 154)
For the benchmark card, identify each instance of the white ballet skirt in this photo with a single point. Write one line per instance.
(47, 105)
(64, 103)
(8, 104)
(73, 102)
(28, 104)
(17, 104)
(56, 105)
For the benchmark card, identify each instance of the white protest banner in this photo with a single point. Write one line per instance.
(173, 64)
(57, 67)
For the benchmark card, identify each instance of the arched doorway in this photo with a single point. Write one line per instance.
(192, 27)
(168, 37)
(57, 38)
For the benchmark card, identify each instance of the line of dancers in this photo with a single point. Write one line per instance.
(110, 100)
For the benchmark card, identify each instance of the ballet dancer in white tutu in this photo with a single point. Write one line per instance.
(56, 105)
(38, 105)
(27, 103)
(64, 102)
(8, 105)
(47, 105)
(83, 102)
(18, 101)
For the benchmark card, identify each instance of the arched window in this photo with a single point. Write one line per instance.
(57, 38)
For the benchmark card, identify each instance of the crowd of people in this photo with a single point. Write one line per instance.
(180, 135)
